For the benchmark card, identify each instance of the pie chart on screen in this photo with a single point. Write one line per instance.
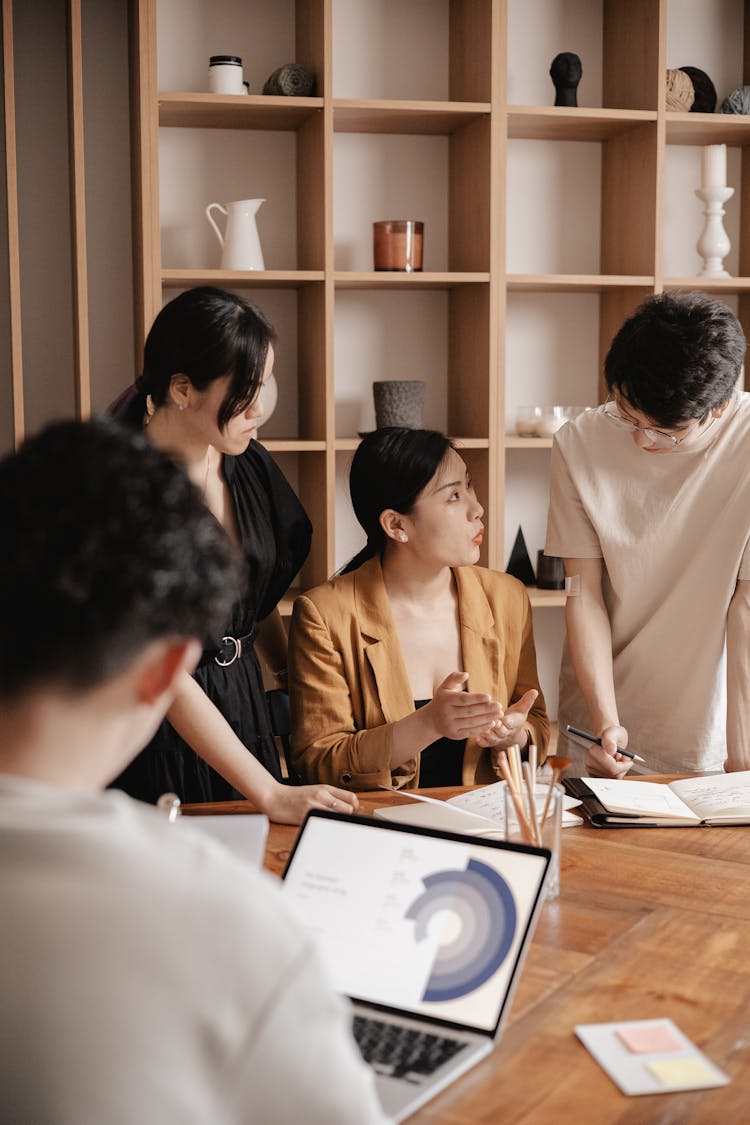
(484, 923)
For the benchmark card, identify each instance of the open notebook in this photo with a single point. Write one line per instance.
(480, 812)
(425, 931)
(712, 799)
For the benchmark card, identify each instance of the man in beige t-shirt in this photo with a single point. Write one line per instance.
(650, 508)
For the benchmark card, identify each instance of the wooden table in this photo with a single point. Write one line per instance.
(649, 923)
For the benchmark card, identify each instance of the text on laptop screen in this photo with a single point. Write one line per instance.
(428, 925)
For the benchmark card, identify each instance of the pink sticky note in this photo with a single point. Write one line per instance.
(645, 1038)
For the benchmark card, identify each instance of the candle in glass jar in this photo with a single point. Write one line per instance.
(714, 166)
(397, 245)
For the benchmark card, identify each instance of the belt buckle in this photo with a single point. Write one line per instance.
(235, 655)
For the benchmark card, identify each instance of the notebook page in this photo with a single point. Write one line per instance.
(488, 802)
(639, 797)
(717, 795)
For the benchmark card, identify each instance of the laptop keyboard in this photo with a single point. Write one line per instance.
(402, 1052)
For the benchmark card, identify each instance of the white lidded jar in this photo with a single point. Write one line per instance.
(225, 75)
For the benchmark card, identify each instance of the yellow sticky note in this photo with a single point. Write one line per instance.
(681, 1072)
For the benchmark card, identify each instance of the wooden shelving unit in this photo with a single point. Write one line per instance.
(478, 126)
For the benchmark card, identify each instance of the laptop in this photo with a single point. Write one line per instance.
(426, 932)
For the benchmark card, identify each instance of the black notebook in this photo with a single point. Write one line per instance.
(692, 802)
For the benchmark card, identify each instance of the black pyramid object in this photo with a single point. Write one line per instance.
(519, 563)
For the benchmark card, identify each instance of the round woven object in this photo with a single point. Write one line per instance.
(705, 91)
(737, 102)
(291, 81)
(680, 92)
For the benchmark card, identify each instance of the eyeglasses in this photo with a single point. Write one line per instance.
(656, 437)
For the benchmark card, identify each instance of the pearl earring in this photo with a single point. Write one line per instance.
(403, 537)
(180, 406)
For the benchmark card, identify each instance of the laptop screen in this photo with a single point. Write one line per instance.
(429, 923)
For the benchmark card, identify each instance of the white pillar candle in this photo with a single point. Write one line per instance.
(714, 166)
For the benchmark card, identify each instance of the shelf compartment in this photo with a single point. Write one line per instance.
(442, 179)
(231, 111)
(618, 42)
(285, 168)
(438, 51)
(560, 123)
(384, 116)
(297, 312)
(575, 283)
(555, 343)
(629, 194)
(383, 334)
(263, 34)
(443, 336)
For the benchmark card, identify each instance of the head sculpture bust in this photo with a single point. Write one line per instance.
(565, 71)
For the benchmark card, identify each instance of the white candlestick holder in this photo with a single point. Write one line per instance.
(713, 244)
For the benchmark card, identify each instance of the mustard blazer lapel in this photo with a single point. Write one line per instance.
(381, 643)
(480, 644)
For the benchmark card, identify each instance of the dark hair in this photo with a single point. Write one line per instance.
(108, 546)
(205, 334)
(676, 358)
(390, 469)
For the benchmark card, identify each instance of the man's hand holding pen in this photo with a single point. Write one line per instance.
(608, 755)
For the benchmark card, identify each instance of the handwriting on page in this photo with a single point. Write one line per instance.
(488, 802)
(638, 797)
(726, 794)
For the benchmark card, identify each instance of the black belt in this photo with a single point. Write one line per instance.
(229, 650)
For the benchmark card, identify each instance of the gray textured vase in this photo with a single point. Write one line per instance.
(399, 402)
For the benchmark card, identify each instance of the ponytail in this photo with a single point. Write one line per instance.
(390, 469)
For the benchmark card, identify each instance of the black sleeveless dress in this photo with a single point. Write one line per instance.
(440, 763)
(275, 538)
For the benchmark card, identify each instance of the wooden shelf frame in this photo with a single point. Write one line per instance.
(632, 127)
(12, 227)
(23, 309)
(468, 119)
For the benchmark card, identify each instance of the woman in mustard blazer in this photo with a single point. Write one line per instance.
(414, 666)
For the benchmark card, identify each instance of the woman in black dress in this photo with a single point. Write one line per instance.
(206, 359)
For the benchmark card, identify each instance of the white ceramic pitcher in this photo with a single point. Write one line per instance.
(240, 244)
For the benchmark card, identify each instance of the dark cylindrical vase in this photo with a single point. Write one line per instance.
(399, 402)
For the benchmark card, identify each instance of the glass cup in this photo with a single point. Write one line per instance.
(527, 420)
(552, 419)
(549, 828)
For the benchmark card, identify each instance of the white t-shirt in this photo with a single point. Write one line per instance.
(673, 531)
(149, 976)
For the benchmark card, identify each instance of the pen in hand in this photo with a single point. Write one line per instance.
(592, 738)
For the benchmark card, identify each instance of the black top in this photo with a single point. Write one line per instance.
(441, 762)
(275, 538)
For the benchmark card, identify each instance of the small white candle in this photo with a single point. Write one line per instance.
(714, 166)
